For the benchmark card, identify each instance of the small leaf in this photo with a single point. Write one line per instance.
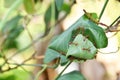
(63, 60)
(29, 6)
(59, 4)
(74, 75)
(82, 48)
(66, 8)
(51, 55)
(48, 17)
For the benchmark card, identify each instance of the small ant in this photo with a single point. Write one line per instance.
(86, 49)
(73, 43)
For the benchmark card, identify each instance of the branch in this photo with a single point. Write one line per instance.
(103, 9)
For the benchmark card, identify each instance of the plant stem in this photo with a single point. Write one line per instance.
(103, 9)
(39, 73)
(115, 20)
(63, 70)
(12, 8)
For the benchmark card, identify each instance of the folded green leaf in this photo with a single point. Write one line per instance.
(88, 28)
(74, 75)
(81, 48)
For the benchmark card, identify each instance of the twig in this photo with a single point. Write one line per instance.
(115, 20)
(40, 72)
(63, 70)
(103, 9)
(113, 28)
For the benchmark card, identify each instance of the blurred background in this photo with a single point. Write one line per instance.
(26, 28)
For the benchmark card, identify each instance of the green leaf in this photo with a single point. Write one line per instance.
(74, 75)
(29, 6)
(81, 48)
(62, 42)
(48, 17)
(66, 8)
(51, 55)
(12, 30)
(10, 41)
(59, 4)
(63, 60)
(11, 24)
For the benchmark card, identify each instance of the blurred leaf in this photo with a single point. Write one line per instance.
(82, 48)
(48, 17)
(15, 32)
(10, 41)
(11, 24)
(29, 6)
(10, 77)
(8, 3)
(14, 75)
(59, 4)
(66, 8)
(74, 75)
(9, 44)
(12, 30)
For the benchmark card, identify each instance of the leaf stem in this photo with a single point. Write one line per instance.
(103, 9)
(40, 72)
(63, 70)
(115, 20)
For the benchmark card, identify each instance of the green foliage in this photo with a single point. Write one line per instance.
(12, 30)
(14, 75)
(66, 8)
(29, 6)
(59, 4)
(74, 75)
(48, 17)
(81, 40)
